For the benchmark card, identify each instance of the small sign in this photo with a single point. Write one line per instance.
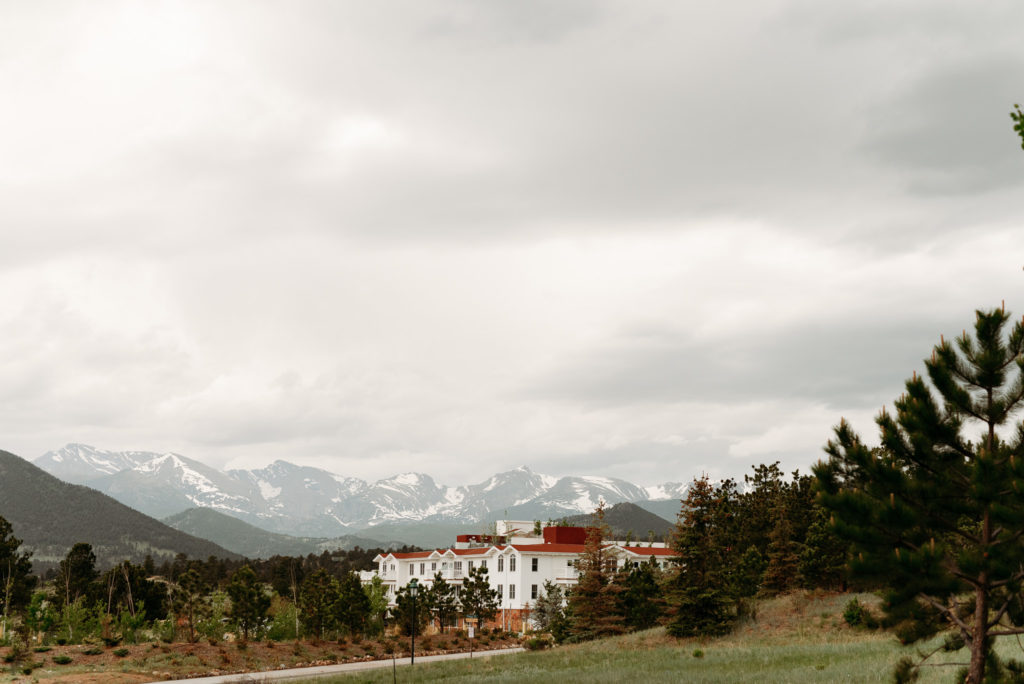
(471, 631)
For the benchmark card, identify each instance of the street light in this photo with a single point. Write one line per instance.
(414, 587)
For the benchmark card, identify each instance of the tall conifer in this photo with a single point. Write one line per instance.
(936, 516)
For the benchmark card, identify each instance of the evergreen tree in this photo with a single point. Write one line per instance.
(249, 602)
(352, 608)
(442, 601)
(934, 516)
(641, 602)
(1018, 123)
(477, 597)
(783, 554)
(189, 599)
(549, 610)
(822, 561)
(77, 573)
(318, 595)
(376, 594)
(593, 602)
(701, 593)
(410, 614)
(16, 579)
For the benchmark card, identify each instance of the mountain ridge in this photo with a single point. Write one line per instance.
(305, 501)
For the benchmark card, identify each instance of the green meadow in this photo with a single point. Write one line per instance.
(796, 638)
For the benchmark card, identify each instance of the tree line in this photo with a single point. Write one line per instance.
(732, 545)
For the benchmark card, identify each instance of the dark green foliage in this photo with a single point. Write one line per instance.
(1018, 123)
(477, 597)
(318, 596)
(783, 554)
(77, 573)
(442, 601)
(16, 580)
(822, 562)
(249, 601)
(931, 514)
(50, 516)
(701, 593)
(749, 573)
(190, 601)
(641, 603)
(549, 611)
(593, 609)
(352, 607)
(410, 614)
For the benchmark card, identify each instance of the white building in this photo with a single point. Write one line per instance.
(518, 563)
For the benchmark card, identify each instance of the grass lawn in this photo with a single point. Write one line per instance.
(795, 638)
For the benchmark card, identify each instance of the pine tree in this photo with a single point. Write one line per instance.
(593, 609)
(822, 561)
(318, 595)
(701, 592)
(934, 516)
(549, 610)
(477, 596)
(189, 598)
(783, 554)
(641, 603)
(410, 613)
(16, 579)
(249, 602)
(352, 606)
(442, 601)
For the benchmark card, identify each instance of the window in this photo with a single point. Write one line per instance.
(433, 567)
(511, 591)
(533, 591)
(458, 566)
(512, 564)
(533, 564)
(471, 566)
(501, 591)
(483, 563)
(423, 567)
(501, 563)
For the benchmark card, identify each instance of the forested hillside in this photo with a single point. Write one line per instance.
(252, 542)
(50, 516)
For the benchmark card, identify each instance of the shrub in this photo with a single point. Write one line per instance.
(855, 614)
(95, 650)
(536, 643)
(62, 659)
(41, 649)
(121, 652)
(697, 653)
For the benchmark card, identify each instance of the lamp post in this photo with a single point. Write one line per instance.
(414, 587)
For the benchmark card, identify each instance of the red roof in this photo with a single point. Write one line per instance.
(650, 550)
(549, 548)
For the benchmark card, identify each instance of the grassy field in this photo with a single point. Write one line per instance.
(796, 638)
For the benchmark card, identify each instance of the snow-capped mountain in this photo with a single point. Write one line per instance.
(302, 500)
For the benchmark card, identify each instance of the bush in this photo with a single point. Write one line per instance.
(536, 643)
(41, 649)
(121, 652)
(857, 615)
(62, 659)
(95, 650)
(697, 653)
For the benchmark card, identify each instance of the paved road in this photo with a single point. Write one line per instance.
(328, 670)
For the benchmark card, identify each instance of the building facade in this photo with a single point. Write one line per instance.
(518, 563)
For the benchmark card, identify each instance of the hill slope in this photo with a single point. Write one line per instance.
(628, 519)
(50, 516)
(252, 542)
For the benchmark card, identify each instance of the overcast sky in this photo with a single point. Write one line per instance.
(637, 239)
